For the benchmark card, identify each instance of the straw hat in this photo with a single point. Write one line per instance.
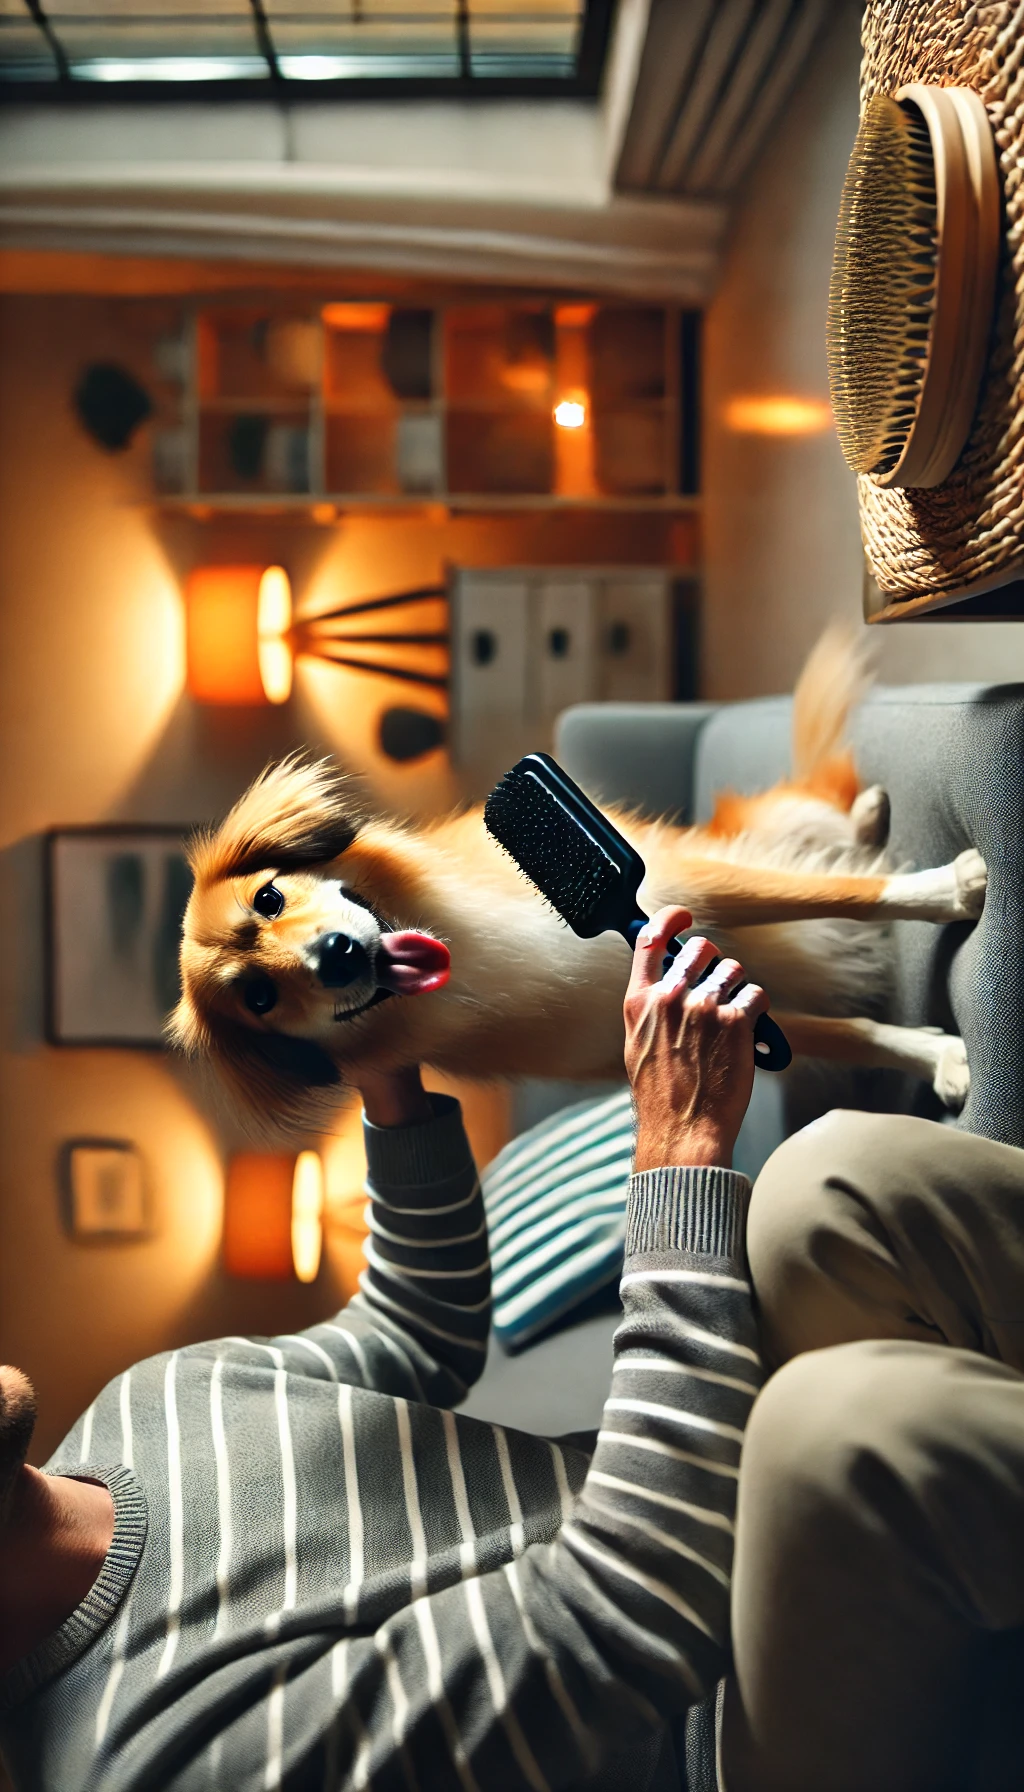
(968, 533)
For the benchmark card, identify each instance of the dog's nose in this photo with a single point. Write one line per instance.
(341, 961)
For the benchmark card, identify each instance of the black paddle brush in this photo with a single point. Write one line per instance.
(584, 867)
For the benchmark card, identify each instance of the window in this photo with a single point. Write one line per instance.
(307, 48)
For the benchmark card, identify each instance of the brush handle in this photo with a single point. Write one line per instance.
(772, 1050)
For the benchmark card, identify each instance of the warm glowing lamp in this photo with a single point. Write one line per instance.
(273, 1216)
(237, 642)
(570, 413)
(307, 1215)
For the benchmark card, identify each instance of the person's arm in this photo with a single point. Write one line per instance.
(419, 1325)
(537, 1673)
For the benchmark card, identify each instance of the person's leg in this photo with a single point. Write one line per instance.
(883, 1226)
(879, 1554)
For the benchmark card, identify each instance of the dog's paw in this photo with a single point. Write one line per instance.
(870, 817)
(971, 874)
(952, 1078)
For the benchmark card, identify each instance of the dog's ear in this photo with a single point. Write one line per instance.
(275, 1083)
(297, 814)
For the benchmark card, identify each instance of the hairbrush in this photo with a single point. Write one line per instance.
(584, 867)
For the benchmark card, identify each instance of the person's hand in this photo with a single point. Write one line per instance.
(689, 1051)
(393, 1097)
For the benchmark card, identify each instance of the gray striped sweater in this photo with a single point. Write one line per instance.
(322, 1577)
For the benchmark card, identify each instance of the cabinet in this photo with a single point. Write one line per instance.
(486, 405)
(527, 642)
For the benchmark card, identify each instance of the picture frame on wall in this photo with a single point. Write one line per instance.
(115, 897)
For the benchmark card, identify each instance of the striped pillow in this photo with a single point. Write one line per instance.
(556, 1214)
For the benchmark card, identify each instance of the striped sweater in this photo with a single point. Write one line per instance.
(322, 1577)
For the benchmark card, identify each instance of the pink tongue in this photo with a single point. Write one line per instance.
(412, 963)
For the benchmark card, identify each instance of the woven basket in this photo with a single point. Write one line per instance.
(968, 532)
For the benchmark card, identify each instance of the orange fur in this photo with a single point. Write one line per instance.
(525, 995)
(835, 781)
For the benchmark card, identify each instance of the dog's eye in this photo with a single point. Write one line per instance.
(268, 902)
(259, 994)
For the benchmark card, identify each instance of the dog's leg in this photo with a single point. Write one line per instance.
(723, 894)
(870, 816)
(939, 1058)
(953, 892)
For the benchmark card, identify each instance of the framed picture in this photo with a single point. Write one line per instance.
(104, 1190)
(115, 901)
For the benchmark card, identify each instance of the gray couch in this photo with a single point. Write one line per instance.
(952, 759)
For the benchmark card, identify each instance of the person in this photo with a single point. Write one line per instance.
(878, 1591)
(341, 1586)
(290, 1563)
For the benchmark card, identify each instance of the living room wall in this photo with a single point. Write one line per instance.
(782, 543)
(95, 726)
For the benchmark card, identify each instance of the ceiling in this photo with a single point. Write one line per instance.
(713, 77)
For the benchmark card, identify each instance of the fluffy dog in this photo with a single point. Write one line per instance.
(313, 924)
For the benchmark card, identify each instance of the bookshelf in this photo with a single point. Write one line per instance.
(366, 404)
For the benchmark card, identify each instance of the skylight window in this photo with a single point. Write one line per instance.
(156, 48)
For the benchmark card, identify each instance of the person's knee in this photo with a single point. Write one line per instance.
(800, 1168)
(832, 1419)
(789, 1205)
(829, 1420)
(794, 1208)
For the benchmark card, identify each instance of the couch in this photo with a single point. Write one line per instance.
(952, 758)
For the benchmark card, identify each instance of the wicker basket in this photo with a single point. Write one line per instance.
(968, 532)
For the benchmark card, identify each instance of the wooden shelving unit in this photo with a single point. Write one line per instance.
(364, 404)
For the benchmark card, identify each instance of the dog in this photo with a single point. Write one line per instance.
(313, 924)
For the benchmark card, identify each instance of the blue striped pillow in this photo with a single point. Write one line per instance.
(556, 1214)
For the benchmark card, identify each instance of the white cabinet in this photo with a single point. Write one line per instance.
(562, 647)
(635, 645)
(528, 642)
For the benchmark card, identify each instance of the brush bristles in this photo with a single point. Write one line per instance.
(550, 847)
(882, 297)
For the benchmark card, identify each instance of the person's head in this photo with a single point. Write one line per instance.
(17, 1422)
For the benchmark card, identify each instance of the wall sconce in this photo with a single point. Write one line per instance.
(237, 620)
(273, 1216)
(241, 643)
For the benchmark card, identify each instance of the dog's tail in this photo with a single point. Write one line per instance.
(834, 680)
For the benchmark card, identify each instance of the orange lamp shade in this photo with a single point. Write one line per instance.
(236, 625)
(273, 1216)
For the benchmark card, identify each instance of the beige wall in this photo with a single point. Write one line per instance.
(782, 545)
(94, 726)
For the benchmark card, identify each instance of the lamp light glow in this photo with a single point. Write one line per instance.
(570, 413)
(307, 1215)
(778, 415)
(273, 1216)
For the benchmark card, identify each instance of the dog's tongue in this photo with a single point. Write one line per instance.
(410, 964)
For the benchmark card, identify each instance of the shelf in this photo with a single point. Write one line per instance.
(261, 503)
(500, 452)
(372, 404)
(256, 407)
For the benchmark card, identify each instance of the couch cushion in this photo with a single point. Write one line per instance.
(952, 760)
(556, 1214)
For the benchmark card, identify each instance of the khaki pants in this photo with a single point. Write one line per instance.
(878, 1607)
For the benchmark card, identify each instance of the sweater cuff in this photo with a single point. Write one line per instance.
(700, 1211)
(415, 1156)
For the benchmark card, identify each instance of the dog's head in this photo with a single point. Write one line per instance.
(293, 944)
